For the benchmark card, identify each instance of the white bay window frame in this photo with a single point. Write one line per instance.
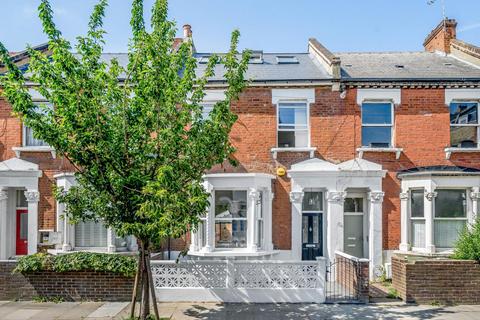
(258, 187)
(431, 183)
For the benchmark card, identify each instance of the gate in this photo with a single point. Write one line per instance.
(347, 280)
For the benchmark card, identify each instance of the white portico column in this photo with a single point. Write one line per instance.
(64, 227)
(428, 208)
(3, 224)
(111, 240)
(375, 233)
(33, 196)
(210, 221)
(335, 200)
(296, 198)
(404, 241)
(253, 197)
(475, 195)
(267, 217)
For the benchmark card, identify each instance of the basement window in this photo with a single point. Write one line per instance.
(287, 60)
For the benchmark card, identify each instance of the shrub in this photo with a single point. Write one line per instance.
(467, 246)
(78, 261)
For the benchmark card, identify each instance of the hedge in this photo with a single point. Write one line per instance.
(78, 261)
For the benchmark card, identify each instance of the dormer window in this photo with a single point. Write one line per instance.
(287, 60)
(464, 124)
(256, 57)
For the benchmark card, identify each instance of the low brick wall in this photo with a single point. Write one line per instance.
(352, 273)
(70, 286)
(445, 281)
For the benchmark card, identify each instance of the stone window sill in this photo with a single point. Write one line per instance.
(449, 151)
(19, 150)
(311, 150)
(397, 151)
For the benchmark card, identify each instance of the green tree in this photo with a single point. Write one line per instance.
(135, 134)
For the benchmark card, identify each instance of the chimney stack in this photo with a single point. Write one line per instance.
(187, 31)
(440, 37)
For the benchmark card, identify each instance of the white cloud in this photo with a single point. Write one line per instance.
(469, 27)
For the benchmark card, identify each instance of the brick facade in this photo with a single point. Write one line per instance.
(445, 281)
(69, 286)
(421, 128)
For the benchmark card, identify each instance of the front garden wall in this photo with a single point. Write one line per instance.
(444, 281)
(68, 286)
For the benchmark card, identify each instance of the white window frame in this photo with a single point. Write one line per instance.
(251, 183)
(215, 219)
(477, 125)
(392, 124)
(307, 129)
(411, 219)
(466, 218)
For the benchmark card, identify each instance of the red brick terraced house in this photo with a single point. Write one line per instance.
(365, 153)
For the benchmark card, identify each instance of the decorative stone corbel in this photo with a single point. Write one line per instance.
(430, 195)
(376, 196)
(404, 196)
(296, 196)
(336, 196)
(32, 195)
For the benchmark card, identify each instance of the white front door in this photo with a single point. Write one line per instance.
(353, 232)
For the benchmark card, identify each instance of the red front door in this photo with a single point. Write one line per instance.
(22, 231)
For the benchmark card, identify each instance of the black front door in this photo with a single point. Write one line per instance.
(312, 235)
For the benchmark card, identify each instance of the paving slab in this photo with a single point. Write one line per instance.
(108, 309)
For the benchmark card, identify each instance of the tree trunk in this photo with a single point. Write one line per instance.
(144, 281)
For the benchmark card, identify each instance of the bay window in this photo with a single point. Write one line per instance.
(230, 219)
(292, 125)
(450, 216)
(238, 220)
(417, 218)
(207, 107)
(464, 125)
(90, 234)
(377, 124)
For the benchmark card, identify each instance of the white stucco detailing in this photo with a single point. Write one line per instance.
(429, 182)
(214, 95)
(279, 95)
(461, 95)
(255, 184)
(365, 95)
(337, 181)
(18, 174)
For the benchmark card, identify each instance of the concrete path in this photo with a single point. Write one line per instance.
(178, 311)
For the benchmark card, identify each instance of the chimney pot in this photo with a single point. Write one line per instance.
(187, 31)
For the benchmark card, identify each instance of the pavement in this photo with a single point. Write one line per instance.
(119, 310)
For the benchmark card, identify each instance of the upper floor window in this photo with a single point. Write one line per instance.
(30, 140)
(377, 125)
(464, 124)
(293, 125)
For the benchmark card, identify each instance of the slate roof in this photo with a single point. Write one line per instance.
(416, 66)
(306, 70)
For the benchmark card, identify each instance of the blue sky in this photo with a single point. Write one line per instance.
(270, 25)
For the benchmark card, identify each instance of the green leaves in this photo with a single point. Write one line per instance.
(468, 245)
(132, 130)
(78, 261)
